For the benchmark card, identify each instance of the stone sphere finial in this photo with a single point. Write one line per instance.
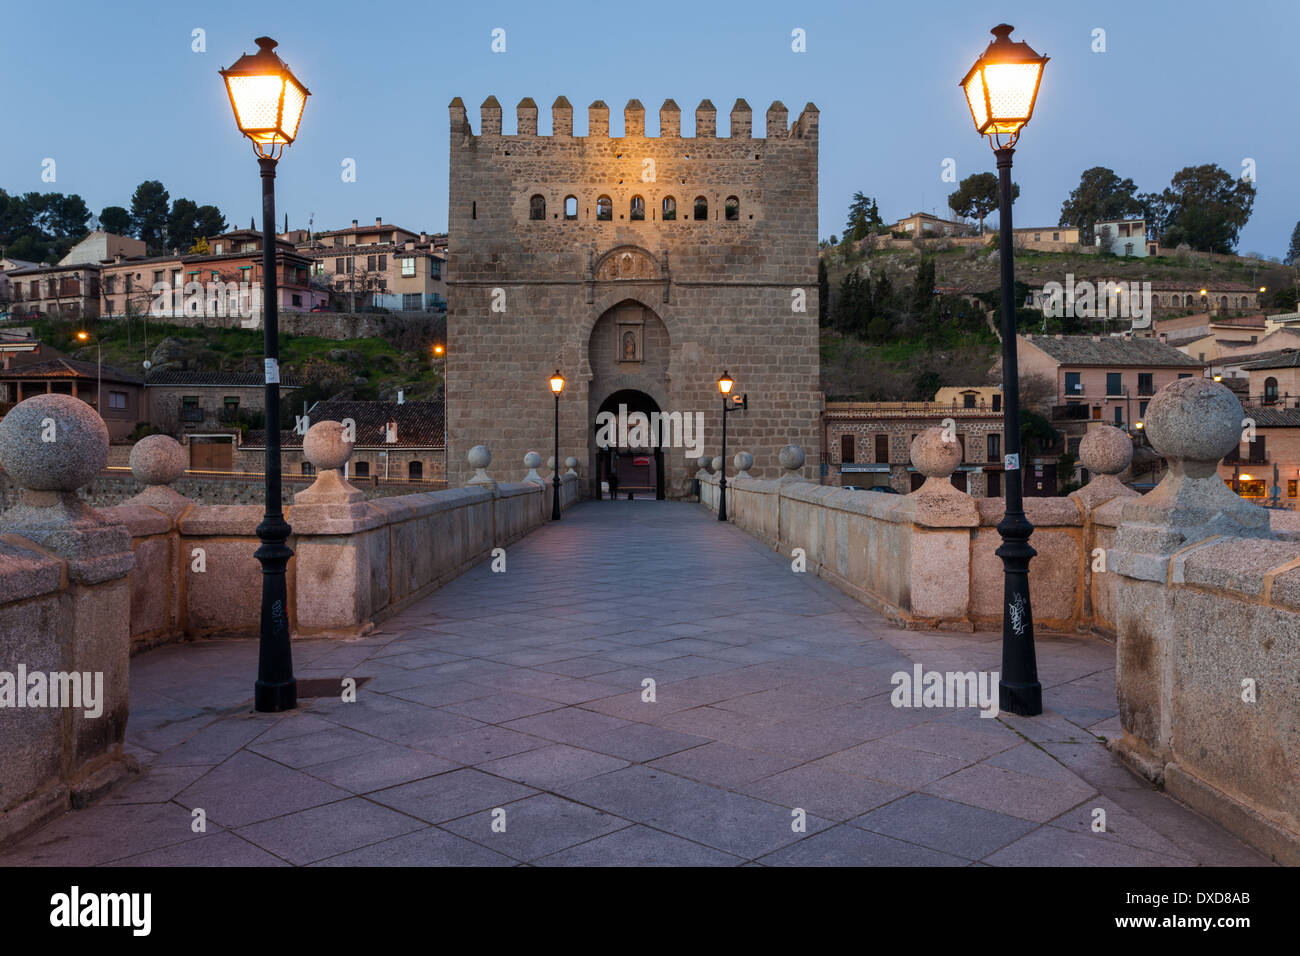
(157, 460)
(327, 446)
(743, 462)
(716, 464)
(704, 462)
(934, 456)
(791, 457)
(53, 443)
(1105, 450)
(550, 462)
(571, 463)
(534, 460)
(1194, 420)
(479, 456)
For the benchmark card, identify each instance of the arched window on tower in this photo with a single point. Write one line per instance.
(537, 207)
(604, 209)
(636, 210)
(669, 209)
(570, 207)
(701, 209)
(732, 209)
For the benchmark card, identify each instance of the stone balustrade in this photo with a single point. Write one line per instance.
(81, 589)
(1199, 589)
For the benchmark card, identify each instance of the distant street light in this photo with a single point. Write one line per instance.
(557, 386)
(1000, 90)
(730, 403)
(84, 336)
(268, 102)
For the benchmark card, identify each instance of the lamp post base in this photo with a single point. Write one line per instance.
(274, 698)
(1026, 700)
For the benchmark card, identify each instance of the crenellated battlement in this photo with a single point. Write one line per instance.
(740, 127)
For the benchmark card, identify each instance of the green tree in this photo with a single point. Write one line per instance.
(181, 223)
(209, 222)
(1293, 251)
(115, 219)
(863, 215)
(977, 196)
(1100, 196)
(149, 214)
(1204, 207)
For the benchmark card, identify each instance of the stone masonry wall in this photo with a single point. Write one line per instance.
(525, 294)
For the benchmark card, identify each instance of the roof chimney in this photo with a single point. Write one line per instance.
(354, 224)
(1164, 336)
(401, 400)
(379, 220)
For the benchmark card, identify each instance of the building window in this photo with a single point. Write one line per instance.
(604, 209)
(117, 400)
(636, 209)
(1072, 384)
(296, 299)
(997, 402)
(1146, 383)
(994, 447)
(1290, 487)
(408, 267)
(846, 449)
(968, 400)
(435, 268)
(1270, 390)
(882, 449)
(411, 301)
(1142, 410)
(1114, 383)
(701, 209)
(415, 471)
(1119, 414)
(537, 207)
(1184, 374)
(190, 411)
(362, 469)
(995, 484)
(1056, 237)
(731, 209)
(669, 209)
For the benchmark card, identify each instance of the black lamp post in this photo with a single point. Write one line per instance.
(728, 405)
(1000, 90)
(268, 102)
(557, 386)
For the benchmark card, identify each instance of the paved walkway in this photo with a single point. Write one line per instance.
(516, 698)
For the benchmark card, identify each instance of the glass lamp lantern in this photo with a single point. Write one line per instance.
(267, 99)
(1001, 87)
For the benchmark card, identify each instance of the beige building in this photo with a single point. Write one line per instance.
(381, 265)
(922, 225)
(99, 246)
(642, 267)
(66, 292)
(868, 444)
(1046, 238)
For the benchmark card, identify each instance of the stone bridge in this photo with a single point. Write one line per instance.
(641, 684)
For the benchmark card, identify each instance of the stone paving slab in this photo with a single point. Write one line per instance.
(507, 723)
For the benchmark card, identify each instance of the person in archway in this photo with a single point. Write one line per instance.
(613, 478)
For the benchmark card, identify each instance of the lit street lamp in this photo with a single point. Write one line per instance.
(729, 404)
(84, 336)
(268, 102)
(1000, 90)
(440, 355)
(557, 386)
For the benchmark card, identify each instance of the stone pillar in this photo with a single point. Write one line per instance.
(634, 118)
(742, 121)
(157, 461)
(706, 120)
(670, 120)
(479, 458)
(598, 119)
(561, 117)
(943, 519)
(68, 567)
(490, 117)
(778, 119)
(526, 117)
(533, 461)
(1105, 452)
(1193, 423)
(571, 463)
(335, 550)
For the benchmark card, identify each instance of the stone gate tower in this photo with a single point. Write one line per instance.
(641, 267)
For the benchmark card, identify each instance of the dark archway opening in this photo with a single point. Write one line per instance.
(639, 467)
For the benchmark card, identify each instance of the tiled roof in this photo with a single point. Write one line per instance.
(68, 368)
(1110, 351)
(419, 424)
(1274, 417)
(1286, 358)
(231, 379)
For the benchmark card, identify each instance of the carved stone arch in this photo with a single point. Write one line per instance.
(612, 297)
(626, 262)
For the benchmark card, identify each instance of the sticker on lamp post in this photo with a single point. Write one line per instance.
(1011, 462)
(272, 372)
